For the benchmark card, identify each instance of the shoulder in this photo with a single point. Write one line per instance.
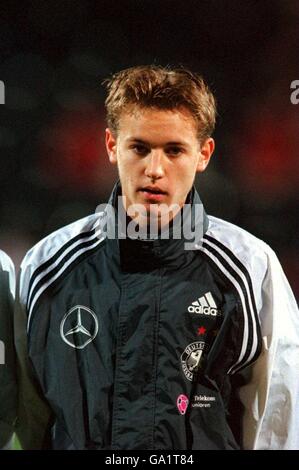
(237, 253)
(59, 249)
(238, 240)
(6, 265)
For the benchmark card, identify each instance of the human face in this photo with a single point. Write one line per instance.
(158, 154)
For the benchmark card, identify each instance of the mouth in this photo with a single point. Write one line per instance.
(152, 190)
(153, 193)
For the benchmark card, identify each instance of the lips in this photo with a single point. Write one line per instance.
(152, 190)
(153, 193)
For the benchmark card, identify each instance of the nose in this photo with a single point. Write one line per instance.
(155, 165)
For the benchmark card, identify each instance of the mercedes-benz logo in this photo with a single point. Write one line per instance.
(79, 327)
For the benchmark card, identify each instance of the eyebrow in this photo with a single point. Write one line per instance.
(141, 141)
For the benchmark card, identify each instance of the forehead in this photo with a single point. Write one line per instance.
(168, 124)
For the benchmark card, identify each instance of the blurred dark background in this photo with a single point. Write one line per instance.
(53, 57)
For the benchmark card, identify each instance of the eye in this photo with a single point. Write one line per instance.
(174, 151)
(140, 149)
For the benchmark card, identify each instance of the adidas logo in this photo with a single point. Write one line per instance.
(205, 305)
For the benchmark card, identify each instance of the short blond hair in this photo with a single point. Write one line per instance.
(152, 86)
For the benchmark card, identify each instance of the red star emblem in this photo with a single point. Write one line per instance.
(201, 330)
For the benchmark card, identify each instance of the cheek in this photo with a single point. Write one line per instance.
(185, 175)
(122, 164)
(127, 175)
(126, 162)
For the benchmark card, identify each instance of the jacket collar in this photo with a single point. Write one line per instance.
(185, 233)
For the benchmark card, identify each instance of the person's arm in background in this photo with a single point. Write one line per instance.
(33, 426)
(8, 388)
(271, 398)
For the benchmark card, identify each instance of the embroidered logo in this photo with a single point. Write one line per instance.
(201, 330)
(205, 305)
(79, 327)
(182, 403)
(190, 358)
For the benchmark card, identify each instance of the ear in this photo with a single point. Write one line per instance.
(205, 153)
(110, 141)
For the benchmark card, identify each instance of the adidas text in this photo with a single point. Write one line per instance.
(203, 310)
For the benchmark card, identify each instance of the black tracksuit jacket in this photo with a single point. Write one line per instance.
(140, 344)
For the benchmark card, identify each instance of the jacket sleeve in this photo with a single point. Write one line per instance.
(271, 397)
(33, 427)
(8, 389)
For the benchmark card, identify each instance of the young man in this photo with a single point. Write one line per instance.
(161, 328)
(8, 389)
